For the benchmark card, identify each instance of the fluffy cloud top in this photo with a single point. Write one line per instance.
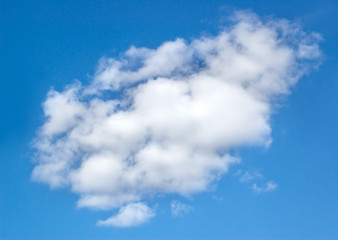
(162, 121)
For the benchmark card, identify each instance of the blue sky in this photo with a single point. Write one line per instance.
(48, 44)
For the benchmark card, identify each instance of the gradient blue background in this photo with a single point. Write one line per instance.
(48, 43)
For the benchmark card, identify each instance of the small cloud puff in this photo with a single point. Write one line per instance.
(268, 187)
(248, 176)
(132, 214)
(179, 209)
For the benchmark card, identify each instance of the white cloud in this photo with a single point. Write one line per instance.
(130, 215)
(268, 187)
(179, 209)
(172, 116)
